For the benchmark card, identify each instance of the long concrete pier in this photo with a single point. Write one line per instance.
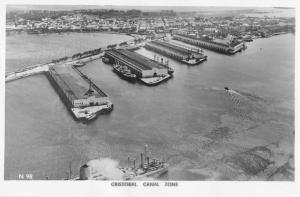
(84, 99)
(81, 96)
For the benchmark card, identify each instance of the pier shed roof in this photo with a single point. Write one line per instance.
(141, 61)
(73, 83)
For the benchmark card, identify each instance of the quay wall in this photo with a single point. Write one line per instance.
(57, 83)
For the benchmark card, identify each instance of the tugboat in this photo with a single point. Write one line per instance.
(124, 71)
(170, 70)
(149, 167)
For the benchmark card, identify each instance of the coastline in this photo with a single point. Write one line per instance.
(96, 138)
(14, 33)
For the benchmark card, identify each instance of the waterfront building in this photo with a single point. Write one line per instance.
(178, 52)
(76, 91)
(139, 65)
(229, 46)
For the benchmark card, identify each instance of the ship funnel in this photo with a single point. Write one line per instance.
(142, 160)
(85, 172)
(148, 162)
(146, 151)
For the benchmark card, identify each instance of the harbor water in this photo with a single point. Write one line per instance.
(175, 118)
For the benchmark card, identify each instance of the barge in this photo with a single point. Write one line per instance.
(148, 71)
(190, 56)
(227, 46)
(81, 96)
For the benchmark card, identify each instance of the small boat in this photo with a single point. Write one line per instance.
(79, 64)
(105, 60)
(170, 70)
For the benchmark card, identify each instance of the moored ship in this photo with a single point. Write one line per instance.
(150, 72)
(124, 72)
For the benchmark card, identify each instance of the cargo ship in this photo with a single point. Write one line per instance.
(150, 72)
(124, 72)
(148, 167)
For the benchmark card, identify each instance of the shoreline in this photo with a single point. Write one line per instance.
(15, 33)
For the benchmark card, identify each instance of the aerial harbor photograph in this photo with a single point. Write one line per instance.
(166, 93)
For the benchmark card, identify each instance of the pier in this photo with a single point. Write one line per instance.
(148, 71)
(186, 55)
(82, 97)
(222, 47)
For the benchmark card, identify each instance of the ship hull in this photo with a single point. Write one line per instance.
(153, 174)
(131, 79)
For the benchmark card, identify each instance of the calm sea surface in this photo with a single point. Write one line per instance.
(42, 138)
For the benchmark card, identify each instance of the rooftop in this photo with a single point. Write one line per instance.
(73, 83)
(182, 50)
(142, 62)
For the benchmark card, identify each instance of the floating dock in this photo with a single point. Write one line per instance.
(186, 55)
(223, 47)
(82, 97)
(148, 71)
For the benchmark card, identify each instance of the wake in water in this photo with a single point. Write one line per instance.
(245, 105)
